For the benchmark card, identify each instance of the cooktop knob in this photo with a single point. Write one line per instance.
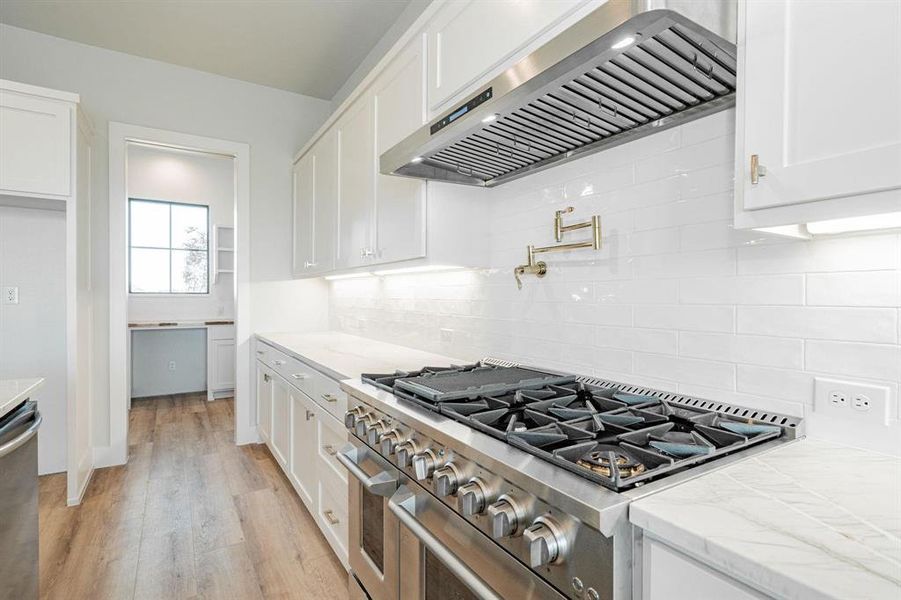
(424, 464)
(375, 431)
(362, 424)
(446, 480)
(504, 517)
(405, 451)
(546, 542)
(472, 498)
(388, 442)
(350, 417)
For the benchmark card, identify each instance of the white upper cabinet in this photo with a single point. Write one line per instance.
(325, 208)
(469, 39)
(35, 144)
(819, 110)
(356, 184)
(304, 201)
(399, 105)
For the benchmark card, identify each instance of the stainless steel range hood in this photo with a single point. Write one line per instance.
(628, 69)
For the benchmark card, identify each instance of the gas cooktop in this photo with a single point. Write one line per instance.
(602, 431)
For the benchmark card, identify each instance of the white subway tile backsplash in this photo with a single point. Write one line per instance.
(784, 384)
(850, 324)
(876, 361)
(703, 372)
(764, 290)
(867, 288)
(676, 299)
(684, 317)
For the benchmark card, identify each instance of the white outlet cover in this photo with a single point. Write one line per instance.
(10, 294)
(878, 396)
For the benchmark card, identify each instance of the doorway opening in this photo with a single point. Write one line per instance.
(179, 259)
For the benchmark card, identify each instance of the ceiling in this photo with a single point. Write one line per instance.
(306, 46)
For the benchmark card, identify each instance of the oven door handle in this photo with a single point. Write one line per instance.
(403, 504)
(19, 440)
(382, 484)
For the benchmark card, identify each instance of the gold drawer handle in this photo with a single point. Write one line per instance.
(299, 375)
(278, 363)
(330, 449)
(329, 398)
(330, 517)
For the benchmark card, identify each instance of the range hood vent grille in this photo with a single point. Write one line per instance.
(661, 80)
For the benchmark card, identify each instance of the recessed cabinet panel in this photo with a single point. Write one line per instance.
(399, 104)
(280, 420)
(469, 39)
(35, 145)
(819, 104)
(303, 448)
(304, 224)
(325, 207)
(356, 184)
(264, 402)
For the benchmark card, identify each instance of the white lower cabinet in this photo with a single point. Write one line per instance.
(264, 401)
(303, 447)
(281, 426)
(298, 410)
(667, 574)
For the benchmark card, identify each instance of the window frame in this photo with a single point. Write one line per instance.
(169, 203)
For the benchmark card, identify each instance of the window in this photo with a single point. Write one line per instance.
(168, 245)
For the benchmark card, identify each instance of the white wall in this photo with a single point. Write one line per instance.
(192, 178)
(33, 332)
(119, 87)
(676, 299)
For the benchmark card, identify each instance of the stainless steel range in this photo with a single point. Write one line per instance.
(501, 481)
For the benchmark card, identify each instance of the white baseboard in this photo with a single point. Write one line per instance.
(76, 500)
(109, 456)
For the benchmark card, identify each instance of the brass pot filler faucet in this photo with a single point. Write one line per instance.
(539, 269)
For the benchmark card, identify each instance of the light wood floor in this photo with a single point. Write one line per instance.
(190, 516)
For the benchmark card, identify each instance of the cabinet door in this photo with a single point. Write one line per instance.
(303, 448)
(264, 402)
(469, 39)
(281, 407)
(356, 175)
(325, 209)
(35, 145)
(399, 105)
(670, 575)
(819, 101)
(304, 199)
(221, 365)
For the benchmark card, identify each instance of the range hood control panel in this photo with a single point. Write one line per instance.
(460, 111)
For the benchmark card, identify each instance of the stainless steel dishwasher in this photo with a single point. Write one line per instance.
(19, 503)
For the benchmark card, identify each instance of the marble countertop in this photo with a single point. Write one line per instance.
(178, 324)
(808, 520)
(344, 356)
(14, 391)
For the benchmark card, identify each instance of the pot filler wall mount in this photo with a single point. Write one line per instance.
(628, 69)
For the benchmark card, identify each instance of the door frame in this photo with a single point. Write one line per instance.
(120, 135)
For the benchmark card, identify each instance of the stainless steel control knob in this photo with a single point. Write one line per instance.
(405, 452)
(504, 519)
(362, 425)
(446, 480)
(375, 431)
(546, 542)
(350, 417)
(424, 464)
(472, 498)
(388, 442)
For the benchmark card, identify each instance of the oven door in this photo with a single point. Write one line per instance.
(442, 557)
(373, 528)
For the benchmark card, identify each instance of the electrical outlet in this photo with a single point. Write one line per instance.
(10, 295)
(447, 336)
(852, 400)
(171, 365)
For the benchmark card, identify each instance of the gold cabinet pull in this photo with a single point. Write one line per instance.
(757, 169)
(330, 450)
(330, 517)
(329, 398)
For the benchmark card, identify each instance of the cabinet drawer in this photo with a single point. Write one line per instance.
(330, 396)
(299, 375)
(332, 514)
(270, 357)
(221, 332)
(332, 436)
